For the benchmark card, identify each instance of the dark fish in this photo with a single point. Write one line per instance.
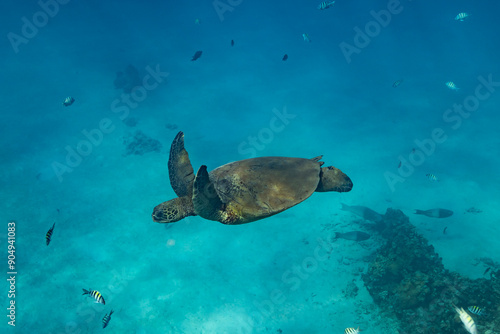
(106, 319)
(96, 295)
(363, 212)
(354, 235)
(399, 166)
(285, 57)
(197, 55)
(435, 213)
(232, 42)
(48, 236)
(486, 271)
(444, 231)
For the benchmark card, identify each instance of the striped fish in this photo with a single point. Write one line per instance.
(96, 295)
(351, 330)
(397, 83)
(48, 236)
(68, 101)
(476, 310)
(106, 319)
(461, 16)
(468, 322)
(325, 5)
(432, 177)
(451, 85)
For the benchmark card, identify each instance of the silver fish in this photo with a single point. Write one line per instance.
(363, 212)
(354, 236)
(306, 38)
(435, 213)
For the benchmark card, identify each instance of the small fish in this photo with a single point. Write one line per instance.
(451, 85)
(351, 330)
(399, 166)
(476, 310)
(461, 17)
(397, 83)
(435, 213)
(197, 21)
(354, 236)
(432, 177)
(468, 322)
(48, 236)
(96, 295)
(444, 231)
(232, 42)
(325, 5)
(306, 38)
(68, 101)
(197, 55)
(106, 319)
(486, 271)
(285, 57)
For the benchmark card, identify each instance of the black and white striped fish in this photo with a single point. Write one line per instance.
(106, 319)
(96, 295)
(325, 5)
(476, 310)
(468, 322)
(48, 236)
(451, 85)
(68, 101)
(461, 16)
(351, 330)
(397, 83)
(432, 177)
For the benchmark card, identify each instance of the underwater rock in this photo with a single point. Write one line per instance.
(140, 144)
(407, 279)
(128, 79)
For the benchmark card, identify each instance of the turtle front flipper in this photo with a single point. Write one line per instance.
(206, 201)
(180, 170)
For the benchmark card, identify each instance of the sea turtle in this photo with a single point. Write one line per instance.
(243, 191)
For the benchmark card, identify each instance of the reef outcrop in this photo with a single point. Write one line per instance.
(408, 280)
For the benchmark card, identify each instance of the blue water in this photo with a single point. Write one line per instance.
(199, 276)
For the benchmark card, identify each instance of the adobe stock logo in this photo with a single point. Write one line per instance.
(372, 29)
(29, 29)
(455, 116)
(265, 136)
(221, 7)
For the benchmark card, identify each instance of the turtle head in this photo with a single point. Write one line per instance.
(333, 179)
(173, 210)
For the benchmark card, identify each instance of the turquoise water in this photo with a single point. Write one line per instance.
(334, 96)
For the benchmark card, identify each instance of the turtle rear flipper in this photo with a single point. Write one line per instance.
(180, 170)
(206, 201)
